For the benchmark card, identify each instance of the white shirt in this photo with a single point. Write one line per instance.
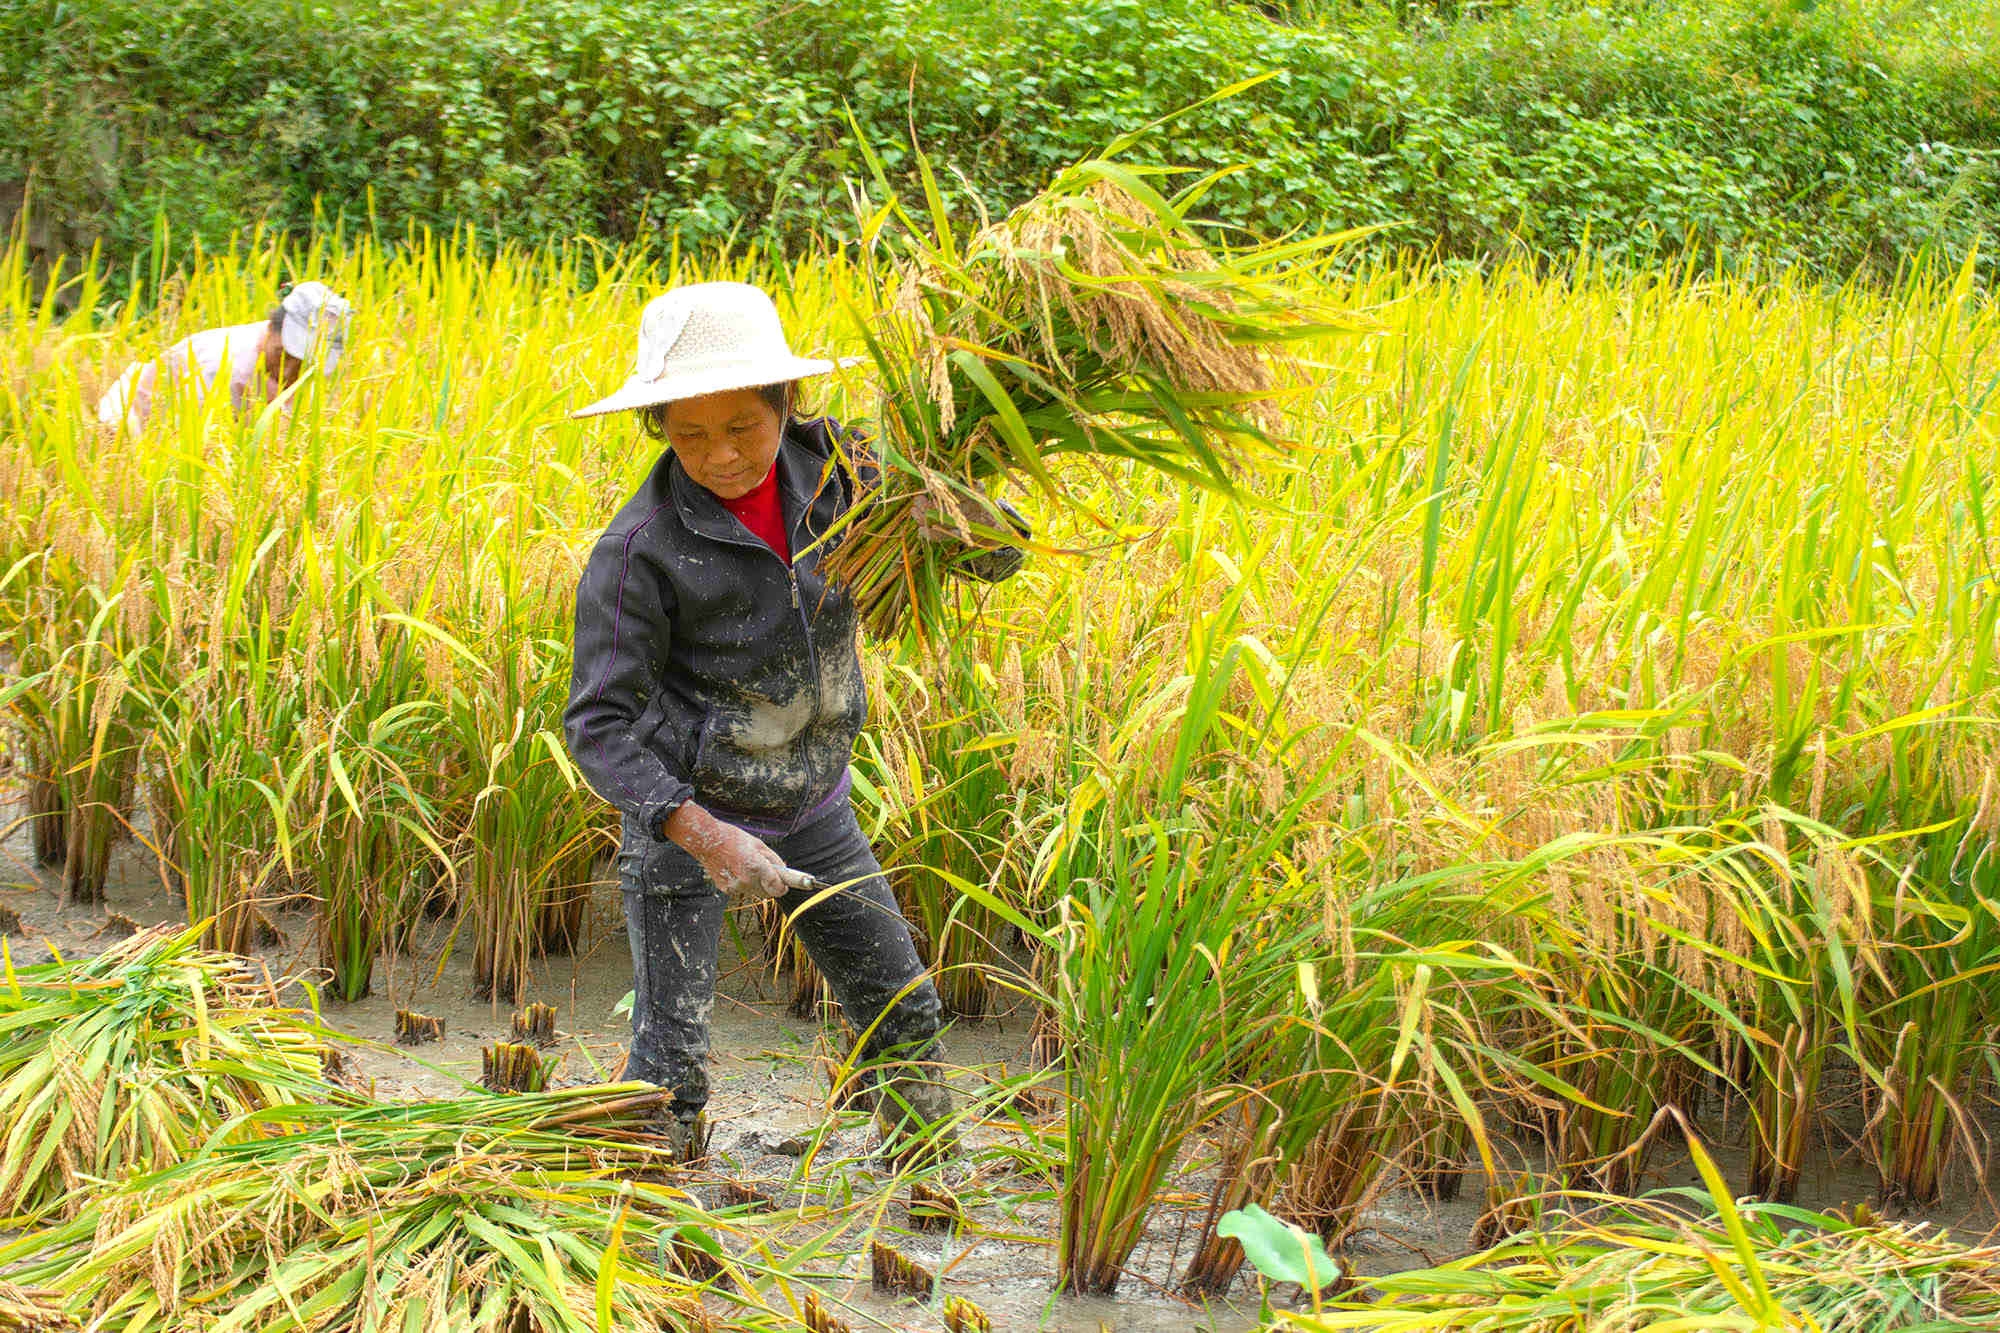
(204, 359)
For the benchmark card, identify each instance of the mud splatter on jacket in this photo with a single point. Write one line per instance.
(708, 669)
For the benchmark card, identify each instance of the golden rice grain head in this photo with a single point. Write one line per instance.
(1819, 768)
(1010, 686)
(1775, 836)
(1032, 760)
(1727, 926)
(368, 646)
(1985, 823)
(1133, 313)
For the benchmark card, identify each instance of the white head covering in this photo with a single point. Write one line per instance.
(315, 318)
(704, 338)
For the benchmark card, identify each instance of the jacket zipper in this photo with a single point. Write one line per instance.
(812, 655)
(812, 670)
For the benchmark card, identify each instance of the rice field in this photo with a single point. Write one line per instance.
(1569, 746)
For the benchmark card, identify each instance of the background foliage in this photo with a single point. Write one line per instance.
(1831, 134)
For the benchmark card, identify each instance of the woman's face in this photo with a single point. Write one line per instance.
(726, 441)
(282, 366)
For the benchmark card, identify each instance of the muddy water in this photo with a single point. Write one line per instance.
(766, 1091)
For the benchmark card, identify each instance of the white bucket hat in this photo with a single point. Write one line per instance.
(315, 318)
(708, 337)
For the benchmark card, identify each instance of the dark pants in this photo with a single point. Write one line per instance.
(856, 936)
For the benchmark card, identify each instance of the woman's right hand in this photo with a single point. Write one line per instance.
(737, 863)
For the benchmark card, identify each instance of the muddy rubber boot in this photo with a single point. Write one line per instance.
(685, 1138)
(688, 1139)
(913, 1110)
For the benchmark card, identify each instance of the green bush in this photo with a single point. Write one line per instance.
(1817, 133)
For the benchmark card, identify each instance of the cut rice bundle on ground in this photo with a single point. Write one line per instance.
(482, 1212)
(130, 1060)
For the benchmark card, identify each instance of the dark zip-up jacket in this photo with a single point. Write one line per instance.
(709, 669)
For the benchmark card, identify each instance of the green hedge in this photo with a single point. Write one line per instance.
(1809, 133)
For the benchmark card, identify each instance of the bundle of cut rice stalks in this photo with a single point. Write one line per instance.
(484, 1214)
(1095, 320)
(131, 1059)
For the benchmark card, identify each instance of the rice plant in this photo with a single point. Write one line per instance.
(367, 827)
(363, 791)
(1926, 1027)
(1385, 1028)
(78, 723)
(1147, 913)
(1178, 953)
(949, 815)
(1810, 946)
(529, 837)
(221, 825)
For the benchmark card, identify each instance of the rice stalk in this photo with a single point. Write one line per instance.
(47, 817)
(535, 1025)
(415, 1029)
(934, 1208)
(512, 1067)
(897, 1274)
(816, 1318)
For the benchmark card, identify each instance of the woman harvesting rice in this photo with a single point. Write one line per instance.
(255, 361)
(717, 695)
